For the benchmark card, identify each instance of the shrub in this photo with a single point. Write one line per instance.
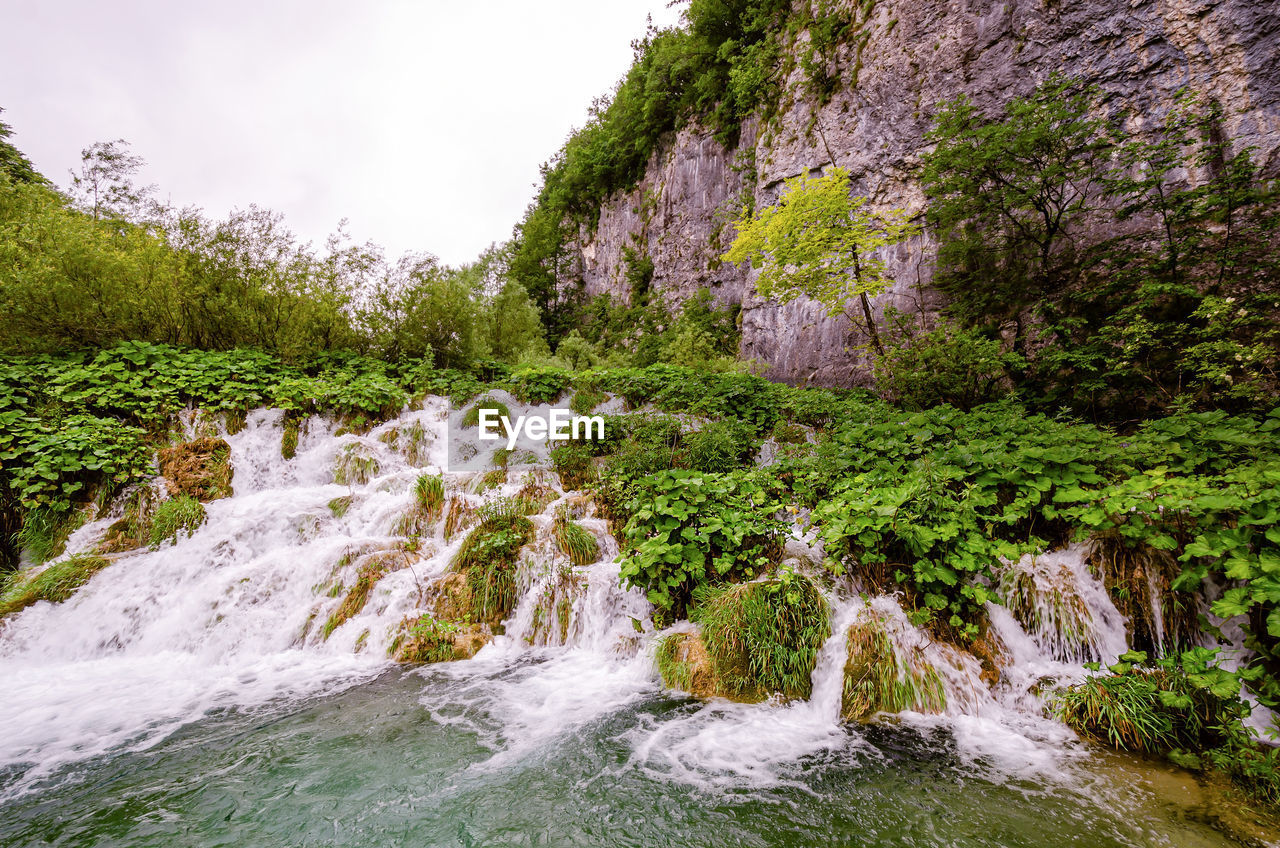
(720, 446)
(539, 385)
(763, 637)
(584, 401)
(472, 416)
(945, 365)
(574, 463)
(688, 529)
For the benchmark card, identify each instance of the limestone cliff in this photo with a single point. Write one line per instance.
(916, 54)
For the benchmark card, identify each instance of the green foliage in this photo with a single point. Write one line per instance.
(515, 326)
(1183, 706)
(687, 529)
(44, 533)
(1171, 313)
(577, 353)
(1005, 194)
(675, 671)
(763, 637)
(574, 463)
(585, 400)
(720, 446)
(424, 640)
(13, 162)
(821, 242)
(174, 516)
(539, 385)
(421, 309)
(947, 364)
(55, 583)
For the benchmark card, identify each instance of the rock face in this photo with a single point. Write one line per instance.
(919, 53)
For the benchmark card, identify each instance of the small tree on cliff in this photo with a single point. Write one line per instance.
(822, 242)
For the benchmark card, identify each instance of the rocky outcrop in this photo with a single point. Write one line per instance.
(919, 53)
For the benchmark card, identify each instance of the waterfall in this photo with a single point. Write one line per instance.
(245, 612)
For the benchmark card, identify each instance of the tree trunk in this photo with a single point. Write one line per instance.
(871, 324)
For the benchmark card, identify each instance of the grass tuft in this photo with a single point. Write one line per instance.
(574, 541)
(174, 516)
(877, 679)
(763, 637)
(488, 559)
(54, 584)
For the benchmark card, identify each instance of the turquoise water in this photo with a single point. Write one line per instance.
(427, 758)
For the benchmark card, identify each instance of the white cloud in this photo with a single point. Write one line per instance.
(422, 122)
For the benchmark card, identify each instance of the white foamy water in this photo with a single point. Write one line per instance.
(232, 618)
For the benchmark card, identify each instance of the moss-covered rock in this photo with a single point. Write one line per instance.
(879, 678)
(684, 664)
(369, 570)
(427, 639)
(451, 598)
(200, 469)
(133, 529)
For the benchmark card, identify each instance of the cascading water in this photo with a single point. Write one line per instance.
(240, 630)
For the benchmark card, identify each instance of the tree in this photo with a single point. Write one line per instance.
(514, 323)
(13, 163)
(104, 187)
(1004, 193)
(822, 242)
(421, 307)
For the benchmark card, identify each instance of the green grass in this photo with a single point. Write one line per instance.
(428, 495)
(339, 506)
(174, 516)
(574, 540)
(44, 532)
(764, 637)
(487, 557)
(878, 679)
(585, 401)
(55, 584)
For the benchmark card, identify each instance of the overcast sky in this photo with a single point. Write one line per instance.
(423, 123)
